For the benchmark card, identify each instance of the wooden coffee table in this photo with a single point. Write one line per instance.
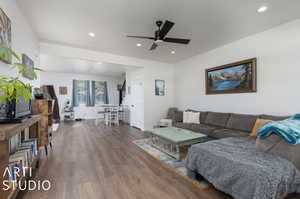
(169, 140)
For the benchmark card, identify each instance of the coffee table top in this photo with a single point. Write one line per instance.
(176, 135)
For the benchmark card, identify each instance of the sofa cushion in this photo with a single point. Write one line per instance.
(178, 117)
(241, 122)
(202, 128)
(203, 115)
(198, 128)
(273, 118)
(217, 119)
(225, 133)
(181, 125)
(278, 146)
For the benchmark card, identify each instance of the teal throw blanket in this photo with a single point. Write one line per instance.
(288, 129)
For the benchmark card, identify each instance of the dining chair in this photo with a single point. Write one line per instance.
(113, 115)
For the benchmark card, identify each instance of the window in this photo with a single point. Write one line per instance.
(99, 91)
(84, 94)
(80, 92)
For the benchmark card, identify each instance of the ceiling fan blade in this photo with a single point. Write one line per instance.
(141, 37)
(165, 29)
(177, 40)
(154, 46)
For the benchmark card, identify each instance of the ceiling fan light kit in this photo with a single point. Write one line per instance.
(160, 35)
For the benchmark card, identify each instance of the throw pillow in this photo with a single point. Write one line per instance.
(259, 123)
(186, 116)
(194, 117)
(191, 117)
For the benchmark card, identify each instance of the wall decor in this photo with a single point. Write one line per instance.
(29, 64)
(5, 37)
(129, 90)
(63, 90)
(238, 77)
(159, 87)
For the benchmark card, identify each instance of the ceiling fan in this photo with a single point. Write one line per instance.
(160, 35)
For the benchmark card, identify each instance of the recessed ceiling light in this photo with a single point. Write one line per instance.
(262, 9)
(91, 34)
(173, 52)
(99, 62)
(138, 45)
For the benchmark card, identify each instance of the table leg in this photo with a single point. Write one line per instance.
(106, 118)
(177, 152)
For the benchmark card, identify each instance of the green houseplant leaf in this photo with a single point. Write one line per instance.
(12, 88)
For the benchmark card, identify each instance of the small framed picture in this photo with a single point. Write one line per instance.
(29, 64)
(63, 90)
(160, 87)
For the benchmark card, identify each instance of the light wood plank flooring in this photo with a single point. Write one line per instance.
(90, 160)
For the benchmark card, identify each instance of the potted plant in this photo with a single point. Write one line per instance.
(39, 94)
(13, 88)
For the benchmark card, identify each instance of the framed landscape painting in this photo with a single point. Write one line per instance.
(238, 77)
(159, 87)
(5, 37)
(63, 90)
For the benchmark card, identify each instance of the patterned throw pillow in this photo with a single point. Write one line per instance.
(191, 117)
(186, 117)
(194, 117)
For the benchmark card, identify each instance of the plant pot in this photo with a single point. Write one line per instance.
(10, 109)
(39, 96)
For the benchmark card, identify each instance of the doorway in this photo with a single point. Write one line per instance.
(137, 104)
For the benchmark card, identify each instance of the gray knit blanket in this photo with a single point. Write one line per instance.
(234, 166)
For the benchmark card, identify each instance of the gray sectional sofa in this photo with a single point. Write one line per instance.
(241, 166)
(220, 125)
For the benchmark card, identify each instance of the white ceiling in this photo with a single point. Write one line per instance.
(208, 23)
(72, 65)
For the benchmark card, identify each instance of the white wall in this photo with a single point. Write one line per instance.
(66, 79)
(155, 107)
(277, 51)
(23, 38)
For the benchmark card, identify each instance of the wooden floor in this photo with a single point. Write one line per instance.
(92, 161)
